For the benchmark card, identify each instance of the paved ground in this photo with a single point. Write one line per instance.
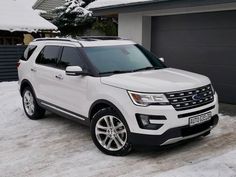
(57, 147)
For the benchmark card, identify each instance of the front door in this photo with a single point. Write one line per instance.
(71, 90)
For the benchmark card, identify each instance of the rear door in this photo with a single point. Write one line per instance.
(45, 71)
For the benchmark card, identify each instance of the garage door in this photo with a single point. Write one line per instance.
(203, 43)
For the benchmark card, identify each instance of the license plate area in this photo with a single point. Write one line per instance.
(199, 119)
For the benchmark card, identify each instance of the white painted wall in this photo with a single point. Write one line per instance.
(135, 27)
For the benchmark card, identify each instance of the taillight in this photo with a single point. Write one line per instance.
(17, 64)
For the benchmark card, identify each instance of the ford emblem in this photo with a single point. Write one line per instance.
(197, 97)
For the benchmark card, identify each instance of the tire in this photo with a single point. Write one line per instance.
(31, 108)
(110, 133)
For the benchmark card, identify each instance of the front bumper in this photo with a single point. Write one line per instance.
(174, 135)
(173, 118)
(174, 128)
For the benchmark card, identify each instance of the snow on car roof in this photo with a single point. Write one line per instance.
(107, 3)
(16, 16)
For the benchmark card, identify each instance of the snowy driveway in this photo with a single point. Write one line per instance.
(58, 147)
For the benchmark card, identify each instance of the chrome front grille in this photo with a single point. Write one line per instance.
(189, 99)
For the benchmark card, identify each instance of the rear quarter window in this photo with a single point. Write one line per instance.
(28, 52)
(49, 56)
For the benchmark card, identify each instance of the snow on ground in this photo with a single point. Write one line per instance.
(224, 165)
(106, 3)
(58, 147)
(17, 16)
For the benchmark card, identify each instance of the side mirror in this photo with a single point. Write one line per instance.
(162, 60)
(75, 71)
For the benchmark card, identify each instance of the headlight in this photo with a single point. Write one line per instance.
(145, 99)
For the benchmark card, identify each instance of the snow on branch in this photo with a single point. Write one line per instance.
(73, 8)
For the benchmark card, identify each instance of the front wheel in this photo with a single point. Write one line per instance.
(110, 133)
(32, 109)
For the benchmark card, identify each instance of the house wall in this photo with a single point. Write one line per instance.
(11, 38)
(135, 27)
(16, 38)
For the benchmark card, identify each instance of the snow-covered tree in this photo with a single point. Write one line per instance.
(71, 16)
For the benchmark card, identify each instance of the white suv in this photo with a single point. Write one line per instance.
(122, 91)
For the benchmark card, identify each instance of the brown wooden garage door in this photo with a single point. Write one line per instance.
(204, 43)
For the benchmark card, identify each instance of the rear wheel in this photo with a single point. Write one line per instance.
(32, 109)
(110, 133)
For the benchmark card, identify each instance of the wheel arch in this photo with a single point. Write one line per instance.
(26, 83)
(101, 104)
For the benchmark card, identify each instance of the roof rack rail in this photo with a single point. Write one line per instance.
(58, 39)
(99, 37)
(55, 39)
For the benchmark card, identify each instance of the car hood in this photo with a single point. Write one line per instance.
(162, 80)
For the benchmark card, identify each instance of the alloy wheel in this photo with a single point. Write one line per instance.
(29, 103)
(111, 133)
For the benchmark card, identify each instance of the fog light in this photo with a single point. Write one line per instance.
(144, 121)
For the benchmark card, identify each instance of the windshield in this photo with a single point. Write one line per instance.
(122, 58)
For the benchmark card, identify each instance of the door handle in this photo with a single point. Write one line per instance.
(59, 77)
(33, 70)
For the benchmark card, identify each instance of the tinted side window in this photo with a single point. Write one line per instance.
(48, 56)
(70, 57)
(28, 52)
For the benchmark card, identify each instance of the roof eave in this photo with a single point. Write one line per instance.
(123, 5)
(154, 5)
(115, 9)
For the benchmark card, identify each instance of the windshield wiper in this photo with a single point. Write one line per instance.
(120, 71)
(115, 72)
(147, 68)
